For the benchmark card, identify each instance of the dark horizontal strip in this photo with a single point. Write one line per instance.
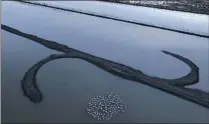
(115, 18)
(190, 9)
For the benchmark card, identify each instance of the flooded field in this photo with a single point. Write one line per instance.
(174, 20)
(68, 85)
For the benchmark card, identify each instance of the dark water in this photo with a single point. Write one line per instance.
(69, 84)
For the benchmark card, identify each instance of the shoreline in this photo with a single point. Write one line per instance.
(175, 7)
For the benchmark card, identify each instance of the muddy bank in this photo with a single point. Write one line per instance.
(173, 86)
(193, 6)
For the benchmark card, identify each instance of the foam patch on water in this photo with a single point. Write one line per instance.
(104, 107)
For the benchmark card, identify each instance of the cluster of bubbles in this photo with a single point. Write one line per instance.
(103, 107)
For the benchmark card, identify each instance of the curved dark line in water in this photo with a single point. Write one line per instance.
(189, 79)
(113, 18)
(173, 86)
(29, 85)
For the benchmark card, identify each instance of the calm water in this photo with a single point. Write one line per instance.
(184, 21)
(69, 84)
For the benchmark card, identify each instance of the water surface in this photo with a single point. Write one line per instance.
(69, 84)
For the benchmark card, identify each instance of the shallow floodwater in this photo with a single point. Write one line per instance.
(69, 84)
(183, 21)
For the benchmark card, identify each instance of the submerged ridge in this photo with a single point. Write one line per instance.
(172, 86)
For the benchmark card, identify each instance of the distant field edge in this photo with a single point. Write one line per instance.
(190, 10)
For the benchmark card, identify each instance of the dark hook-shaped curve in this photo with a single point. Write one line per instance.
(173, 86)
(28, 82)
(191, 78)
(31, 90)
